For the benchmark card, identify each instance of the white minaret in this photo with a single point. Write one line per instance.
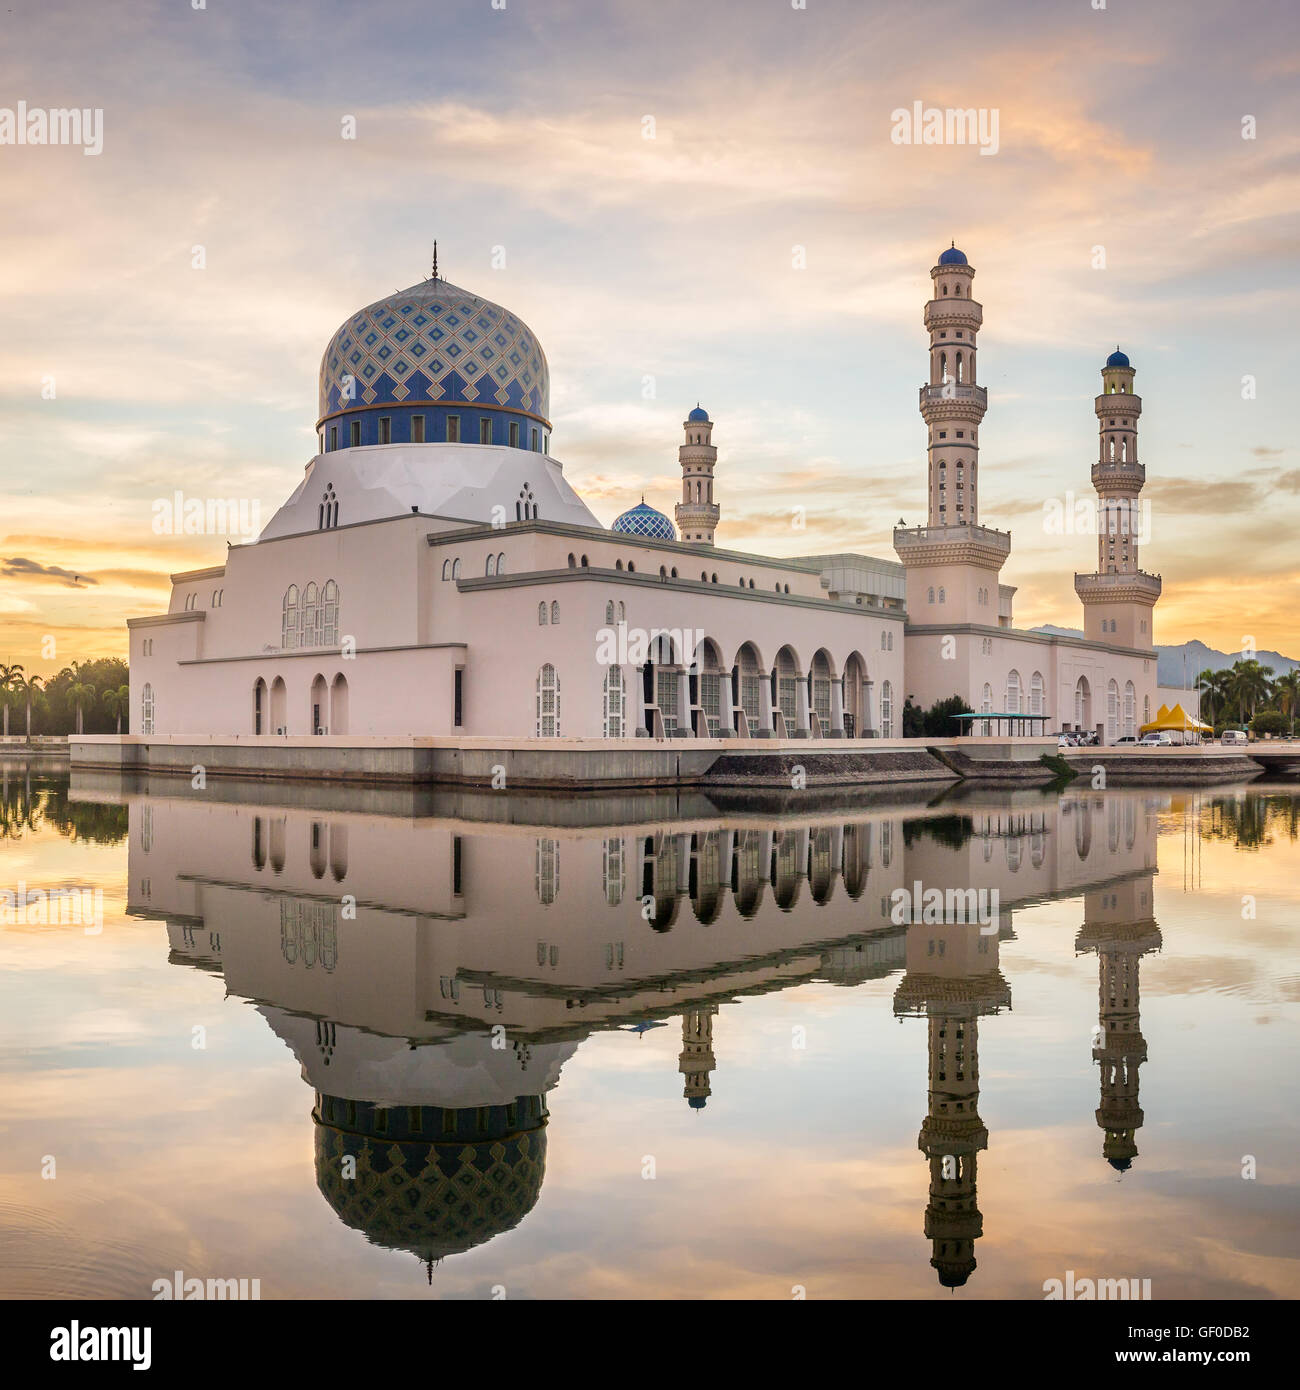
(1119, 598)
(697, 512)
(953, 562)
(952, 403)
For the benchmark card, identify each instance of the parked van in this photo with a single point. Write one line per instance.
(1234, 736)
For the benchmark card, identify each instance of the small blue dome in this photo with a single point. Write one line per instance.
(699, 413)
(1117, 359)
(645, 521)
(953, 257)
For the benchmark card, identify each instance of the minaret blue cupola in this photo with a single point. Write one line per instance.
(645, 521)
(952, 256)
(1117, 359)
(434, 364)
(699, 413)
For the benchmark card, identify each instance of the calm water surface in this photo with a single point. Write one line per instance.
(372, 1044)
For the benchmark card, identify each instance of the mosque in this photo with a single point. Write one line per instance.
(434, 574)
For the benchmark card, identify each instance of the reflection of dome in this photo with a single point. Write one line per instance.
(436, 345)
(953, 257)
(432, 1181)
(645, 521)
(1117, 359)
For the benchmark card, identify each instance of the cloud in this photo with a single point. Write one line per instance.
(19, 568)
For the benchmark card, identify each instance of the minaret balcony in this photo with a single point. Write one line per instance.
(944, 545)
(1126, 477)
(951, 394)
(954, 313)
(1118, 406)
(1135, 587)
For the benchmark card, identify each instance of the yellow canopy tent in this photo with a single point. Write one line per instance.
(1175, 721)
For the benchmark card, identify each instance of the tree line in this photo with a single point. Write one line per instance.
(1246, 695)
(85, 697)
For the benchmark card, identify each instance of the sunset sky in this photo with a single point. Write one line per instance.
(672, 258)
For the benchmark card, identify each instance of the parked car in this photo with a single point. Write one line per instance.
(1234, 736)
(1159, 740)
(1126, 738)
(1065, 740)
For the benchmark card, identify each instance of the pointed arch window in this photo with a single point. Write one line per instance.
(146, 709)
(542, 611)
(327, 513)
(309, 617)
(330, 614)
(289, 619)
(548, 702)
(555, 612)
(614, 702)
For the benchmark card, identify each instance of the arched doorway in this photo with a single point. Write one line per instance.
(785, 690)
(747, 675)
(279, 707)
(319, 708)
(856, 723)
(1082, 704)
(821, 681)
(709, 693)
(260, 706)
(339, 705)
(663, 685)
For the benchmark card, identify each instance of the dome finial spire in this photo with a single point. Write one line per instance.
(435, 259)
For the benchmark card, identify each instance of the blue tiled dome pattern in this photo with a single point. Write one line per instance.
(435, 342)
(645, 521)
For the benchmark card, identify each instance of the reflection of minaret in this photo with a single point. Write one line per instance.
(697, 1059)
(1118, 925)
(952, 977)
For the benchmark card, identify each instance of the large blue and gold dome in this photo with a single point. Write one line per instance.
(432, 364)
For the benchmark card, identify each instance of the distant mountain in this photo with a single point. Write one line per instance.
(1174, 671)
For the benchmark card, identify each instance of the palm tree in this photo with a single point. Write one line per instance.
(1287, 690)
(1213, 686)
(31, 684)
(117, 702)
(80, 692)
(1249, 684)
(11, 679)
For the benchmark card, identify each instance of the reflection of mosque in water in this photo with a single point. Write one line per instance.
(432, 975)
